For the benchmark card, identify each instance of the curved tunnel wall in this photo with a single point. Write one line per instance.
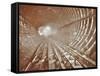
(73, 45)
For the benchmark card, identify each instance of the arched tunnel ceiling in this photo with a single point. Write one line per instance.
(56, 37)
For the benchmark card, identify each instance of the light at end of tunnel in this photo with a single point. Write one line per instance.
(46, 30)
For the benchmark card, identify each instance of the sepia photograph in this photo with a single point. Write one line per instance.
(56, 37)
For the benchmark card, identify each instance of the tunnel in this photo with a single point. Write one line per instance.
(54, 37)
